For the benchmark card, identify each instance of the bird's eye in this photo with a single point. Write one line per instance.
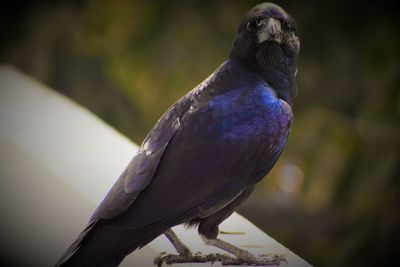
(249, 26)
(252, 25)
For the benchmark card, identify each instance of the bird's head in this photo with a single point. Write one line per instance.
(267, 42)
(266, 28)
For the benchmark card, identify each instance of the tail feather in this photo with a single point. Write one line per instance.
(101, 246)
(73, 248)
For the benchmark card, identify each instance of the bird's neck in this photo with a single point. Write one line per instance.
(277, 69)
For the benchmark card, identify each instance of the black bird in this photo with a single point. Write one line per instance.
(205, 154)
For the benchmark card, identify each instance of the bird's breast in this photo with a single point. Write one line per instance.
(258, 115)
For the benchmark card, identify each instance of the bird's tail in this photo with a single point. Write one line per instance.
(98, 246)
(74, 252)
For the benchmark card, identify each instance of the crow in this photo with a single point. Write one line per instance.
(206, 153)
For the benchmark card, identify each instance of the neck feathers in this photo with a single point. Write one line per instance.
(274, 66)
(278, 70)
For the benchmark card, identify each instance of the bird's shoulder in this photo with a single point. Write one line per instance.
(234, 103)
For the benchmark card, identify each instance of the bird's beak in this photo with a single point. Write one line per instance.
(270, 30)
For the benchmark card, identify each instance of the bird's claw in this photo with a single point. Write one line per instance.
(273, 257)
(262, 260)
(190, 258)
(270, 260)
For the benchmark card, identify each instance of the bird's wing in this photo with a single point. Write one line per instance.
(140, 171)
(191, 181)
(200, 172)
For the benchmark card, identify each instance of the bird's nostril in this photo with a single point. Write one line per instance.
(273, 26)
(273, 30)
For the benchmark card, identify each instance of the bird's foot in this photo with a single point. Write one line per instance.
(262, 260)
(243, 257)
(191, 258)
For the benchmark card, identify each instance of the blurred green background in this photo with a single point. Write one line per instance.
(334, 196)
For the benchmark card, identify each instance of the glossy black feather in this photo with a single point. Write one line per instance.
(205, 154)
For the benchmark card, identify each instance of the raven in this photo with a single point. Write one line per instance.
(205, 154)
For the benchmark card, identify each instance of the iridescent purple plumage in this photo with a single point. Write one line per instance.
(206, 153)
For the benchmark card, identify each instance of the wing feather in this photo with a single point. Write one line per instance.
(140, 171)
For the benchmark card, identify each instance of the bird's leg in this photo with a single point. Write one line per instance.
(181, 248)
(243, 256)
(238, 252)
(185, 255)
